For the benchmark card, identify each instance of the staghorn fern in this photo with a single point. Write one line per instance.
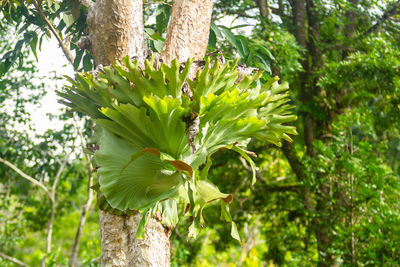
(147, 161)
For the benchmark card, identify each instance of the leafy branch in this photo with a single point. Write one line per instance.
(65, 49)
(393, 10)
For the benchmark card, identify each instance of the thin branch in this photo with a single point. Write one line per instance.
(291, 2)
(58, 175)
(53, 209)
(238, 13)
(390, 12)
(86, 206)
(244, 15)
(26, 176)
(280, 13)
(65, 49)
(12, 259)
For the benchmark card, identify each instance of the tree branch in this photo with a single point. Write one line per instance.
(280, 13)
(244, 15)
(390, 12)
(86, 206)
(14, 260)
(181, 41)
(262, 6)
(53, 209)
(294, 162)
(298, 168)
(26, 176)
(65, 49)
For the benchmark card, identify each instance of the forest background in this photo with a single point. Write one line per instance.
(330, 197)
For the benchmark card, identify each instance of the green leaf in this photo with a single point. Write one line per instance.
(145, 159)
(33, 44)
(194, 228)
(169, 210)
(87, 62)
(226, 216)
(243, 47)
(262, 62)
(239, 42)
(235, 232)
(77, 59)
(141, 184)
(263, 50)
(230, 37)
(208, 192)
(249, 160)
(215, 29)
(68, 19)
(141, 230)
(212, 39)
(163, 13)
(169, 129)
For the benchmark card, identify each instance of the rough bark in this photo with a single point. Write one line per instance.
(116, 30)
(120, 247)
(299, 21)
(188, 31)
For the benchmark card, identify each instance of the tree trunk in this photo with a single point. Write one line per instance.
(188, 30)
(120, 247)
(116, 30)
(308, 38)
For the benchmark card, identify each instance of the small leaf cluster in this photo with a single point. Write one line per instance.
(67, 17)
(250, 53)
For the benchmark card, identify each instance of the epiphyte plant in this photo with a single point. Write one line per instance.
(156, 139)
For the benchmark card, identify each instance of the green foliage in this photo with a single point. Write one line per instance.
(250, 53)
(368, 191)
(163, 12)
(67, 17)
(145, 155)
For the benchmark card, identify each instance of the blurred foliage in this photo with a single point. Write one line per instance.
(351, 177)
(24, 208)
